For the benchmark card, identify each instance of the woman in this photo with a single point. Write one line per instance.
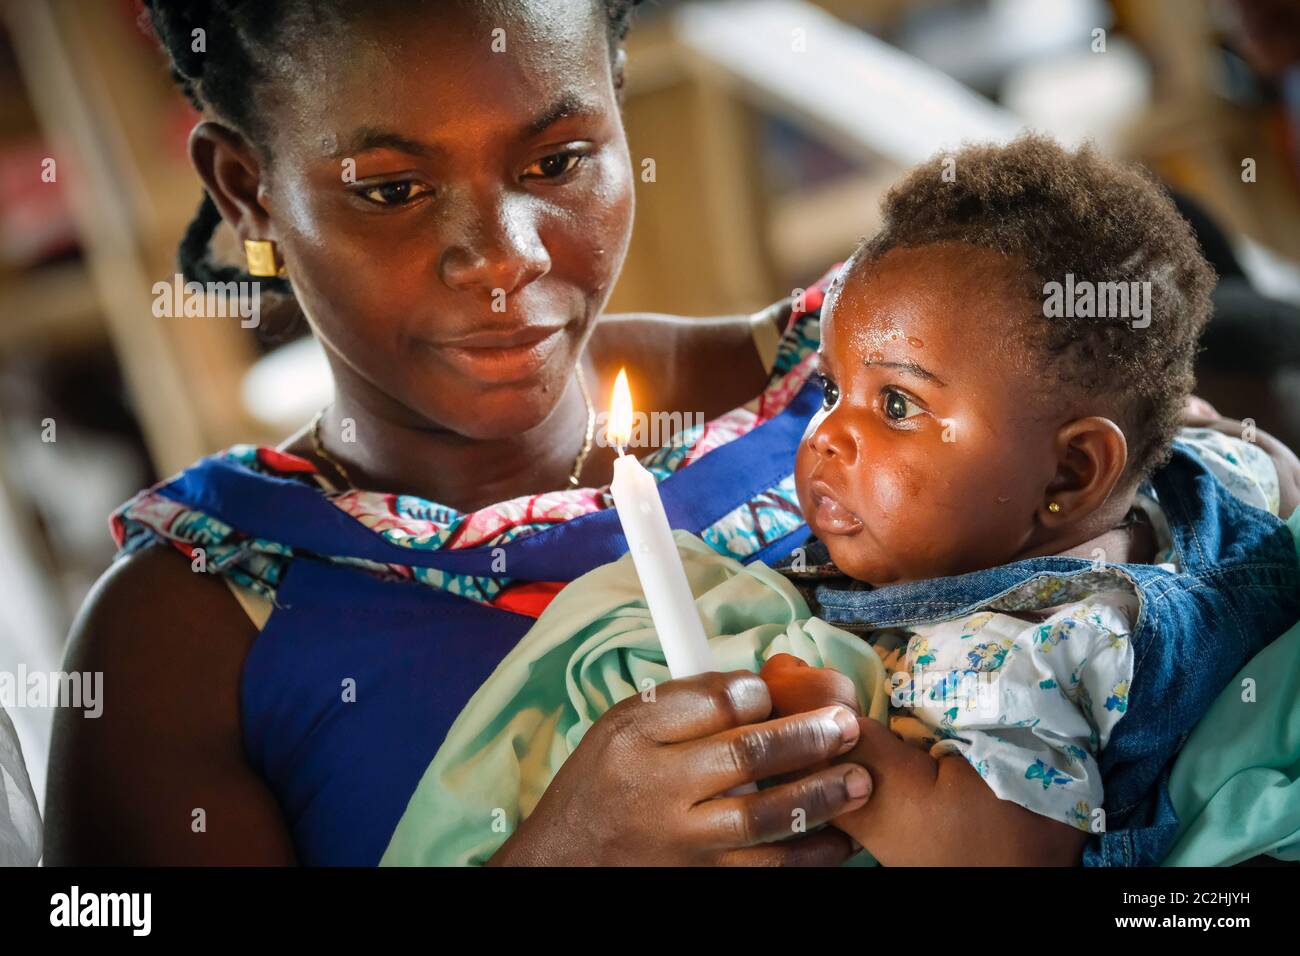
(448, 188)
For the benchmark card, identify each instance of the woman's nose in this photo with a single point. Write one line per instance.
(495, 250)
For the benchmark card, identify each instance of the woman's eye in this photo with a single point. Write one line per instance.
(394, 194)
(830, 393)
(554, 166)
(899, 407)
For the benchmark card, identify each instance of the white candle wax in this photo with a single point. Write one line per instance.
(663, 579)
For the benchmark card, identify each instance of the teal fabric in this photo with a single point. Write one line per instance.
(1236, 782)
(593, 646)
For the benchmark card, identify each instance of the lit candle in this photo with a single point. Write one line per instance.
(650, 539)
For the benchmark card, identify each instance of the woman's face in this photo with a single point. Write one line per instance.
(933, 446)
(452, 196)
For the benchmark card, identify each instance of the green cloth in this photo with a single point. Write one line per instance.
(1236, 782)
(593, 646)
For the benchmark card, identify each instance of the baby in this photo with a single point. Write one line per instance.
(1050, 588)
(1057, 587)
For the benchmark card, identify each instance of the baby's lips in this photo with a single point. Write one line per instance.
(828, 513)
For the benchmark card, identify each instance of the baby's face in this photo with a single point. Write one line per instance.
(933, 447)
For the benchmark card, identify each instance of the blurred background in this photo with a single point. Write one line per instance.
(774, 126)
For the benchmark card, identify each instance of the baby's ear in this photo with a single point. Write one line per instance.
(1091, 455)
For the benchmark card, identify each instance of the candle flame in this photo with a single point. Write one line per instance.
(619, 429)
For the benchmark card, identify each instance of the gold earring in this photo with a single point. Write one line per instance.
(1054, 507)
(262, 258)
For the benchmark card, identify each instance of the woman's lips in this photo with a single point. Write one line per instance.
(503, 359)
(829, 515)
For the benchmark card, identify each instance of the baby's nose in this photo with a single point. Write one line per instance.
(829, 442)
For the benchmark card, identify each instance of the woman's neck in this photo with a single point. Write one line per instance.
(381, 450)
(677, 361)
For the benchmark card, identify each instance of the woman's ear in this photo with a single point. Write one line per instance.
(1091, 455)
(232, 174)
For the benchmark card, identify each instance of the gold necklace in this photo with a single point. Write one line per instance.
(318, 446)
(587, 436)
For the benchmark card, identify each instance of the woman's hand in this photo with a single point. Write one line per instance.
(1198, 413)
(641, 787)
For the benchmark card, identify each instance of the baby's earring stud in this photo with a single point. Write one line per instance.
(1054, 507)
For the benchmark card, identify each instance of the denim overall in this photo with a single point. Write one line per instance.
(1238, 588)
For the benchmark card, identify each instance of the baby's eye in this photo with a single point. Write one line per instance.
(830, 393)
(395, 193)
(554, 166)
(898, 406)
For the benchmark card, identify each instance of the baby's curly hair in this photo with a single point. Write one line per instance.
(1059, 212)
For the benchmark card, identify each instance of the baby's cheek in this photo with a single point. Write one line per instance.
(956, 513)
(909, 514)
(997, 514)
(883, 492)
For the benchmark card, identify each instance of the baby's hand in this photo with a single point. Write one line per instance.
(796, 687)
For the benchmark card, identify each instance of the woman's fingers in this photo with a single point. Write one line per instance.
(628, 793)
(1197, 411)
(700, 706)
(784, 811)
(828, 847)
(756, 752)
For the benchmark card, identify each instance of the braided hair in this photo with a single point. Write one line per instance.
(244, 39)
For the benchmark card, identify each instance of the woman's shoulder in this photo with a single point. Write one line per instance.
(151, 617)
(170, 645)
(680, 357)
(674, 361)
